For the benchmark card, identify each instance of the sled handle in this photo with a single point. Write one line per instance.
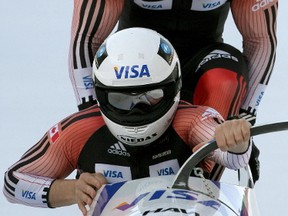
(182, 177)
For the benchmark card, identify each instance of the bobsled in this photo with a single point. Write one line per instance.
(181, 194)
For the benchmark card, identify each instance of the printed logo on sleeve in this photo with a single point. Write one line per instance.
(35, 193)
(28, 194)
(258, 96)
(209, 112)
(88, 82)
(54, 133)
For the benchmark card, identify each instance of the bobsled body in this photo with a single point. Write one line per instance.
(154, 196)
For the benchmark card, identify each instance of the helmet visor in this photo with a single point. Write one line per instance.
(127, 100)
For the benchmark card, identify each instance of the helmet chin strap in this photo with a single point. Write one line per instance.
(137, 110)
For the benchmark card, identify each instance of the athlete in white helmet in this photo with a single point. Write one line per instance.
(214, 73)
(138, 128)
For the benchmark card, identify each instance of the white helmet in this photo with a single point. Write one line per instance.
(137, 80)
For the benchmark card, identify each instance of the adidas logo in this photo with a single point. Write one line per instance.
(118, 149)
(260, 4)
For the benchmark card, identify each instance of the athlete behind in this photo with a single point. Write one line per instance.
(195, 29)
(138, 128)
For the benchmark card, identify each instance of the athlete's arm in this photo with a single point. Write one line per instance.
(256, 21)
(233, 140)
(92, 22)
(198, 125)
(28, 180)
(50, 161)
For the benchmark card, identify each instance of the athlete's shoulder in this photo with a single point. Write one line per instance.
(184, 105)
(86, 121)
(90, 114)
(195, 123)
(188, 111)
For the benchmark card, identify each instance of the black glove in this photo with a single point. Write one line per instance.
(86, 104)
(254, 162)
